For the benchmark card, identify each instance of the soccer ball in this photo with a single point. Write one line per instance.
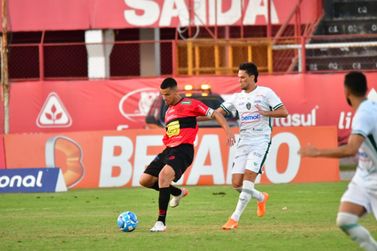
(127, 221)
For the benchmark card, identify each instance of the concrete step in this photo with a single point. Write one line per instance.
(351, 9)
(343, 51)
(341, 62)
(337, 27)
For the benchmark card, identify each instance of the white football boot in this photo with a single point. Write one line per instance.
(159, 226)
(174, 202)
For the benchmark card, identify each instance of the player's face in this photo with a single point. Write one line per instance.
(246, 81)
(169, 95)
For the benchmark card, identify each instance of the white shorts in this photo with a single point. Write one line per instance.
(250, 157)
(359, 195)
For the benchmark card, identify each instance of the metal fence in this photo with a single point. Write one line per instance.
(70, 60)
(330, 53)
(195, 57)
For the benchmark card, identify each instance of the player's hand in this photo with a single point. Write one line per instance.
(261, 111)
(231, 139)
(308, 151)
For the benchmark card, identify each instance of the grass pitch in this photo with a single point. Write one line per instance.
(299, 217)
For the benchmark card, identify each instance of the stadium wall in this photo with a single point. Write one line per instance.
(118, 158)
(60, 106)
(123, 14)
(57, 122)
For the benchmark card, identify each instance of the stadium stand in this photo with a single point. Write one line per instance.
(346, 21)
(53, 51)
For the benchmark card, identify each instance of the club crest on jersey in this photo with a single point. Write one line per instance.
(248, 106)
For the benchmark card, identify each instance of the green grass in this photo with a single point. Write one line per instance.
(347, 167)
(299, 217)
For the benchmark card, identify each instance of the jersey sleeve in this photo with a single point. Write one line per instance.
(362, 123)
(229, 105)
(273, 100)
(200, 109)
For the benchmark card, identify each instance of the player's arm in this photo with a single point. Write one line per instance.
(219, 117)
(350, 149)
(205, 118)
(280, 112)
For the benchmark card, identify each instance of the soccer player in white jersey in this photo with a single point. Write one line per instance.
(361, 195)
(256, 106)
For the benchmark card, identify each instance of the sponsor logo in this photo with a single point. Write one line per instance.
(146, 13)
(345, 120)
(248, 117)
(144, 97)
(65, 153)
(53, 113)
(32, 180)
(19, 181)
(298, 119)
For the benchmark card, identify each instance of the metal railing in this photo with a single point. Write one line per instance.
(328, 53)
(196, 57)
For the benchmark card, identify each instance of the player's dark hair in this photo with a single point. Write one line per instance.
(251, 69)
(356, 82)
(168, 83)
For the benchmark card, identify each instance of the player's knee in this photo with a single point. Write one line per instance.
(144, 181)
(237, 186)
(165, 178)
(345, 221)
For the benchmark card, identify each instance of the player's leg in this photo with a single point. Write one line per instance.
(165, 178)
(253, 162)
(253, 166)
(354, 204)
(149, 181)
(178, 159)
(184, 155)
(243, 199)
(237, 179)
(149, 178)
(238, 170)
(248, 192)
(347, 220)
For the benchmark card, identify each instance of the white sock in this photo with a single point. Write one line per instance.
(348, 223)
(257, 195)
(243, 200)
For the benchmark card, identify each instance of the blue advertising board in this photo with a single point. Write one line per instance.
(32, 180)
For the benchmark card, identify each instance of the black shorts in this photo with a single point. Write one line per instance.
(179, 158)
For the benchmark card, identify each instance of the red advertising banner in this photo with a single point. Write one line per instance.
(118, 158)
(57, 106)
(2, 152)
(37, 15)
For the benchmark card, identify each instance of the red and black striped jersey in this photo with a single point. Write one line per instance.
(180, 121)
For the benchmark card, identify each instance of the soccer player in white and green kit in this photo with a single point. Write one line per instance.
(256, 106)
(361, 195)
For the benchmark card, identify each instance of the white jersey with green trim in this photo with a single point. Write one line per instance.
(251, 122)
(365, 124)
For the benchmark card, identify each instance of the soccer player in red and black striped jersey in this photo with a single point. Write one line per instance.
(172, 162)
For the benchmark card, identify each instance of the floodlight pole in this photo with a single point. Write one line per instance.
(4, 65)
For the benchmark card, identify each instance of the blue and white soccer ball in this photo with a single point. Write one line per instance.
(127, 221)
